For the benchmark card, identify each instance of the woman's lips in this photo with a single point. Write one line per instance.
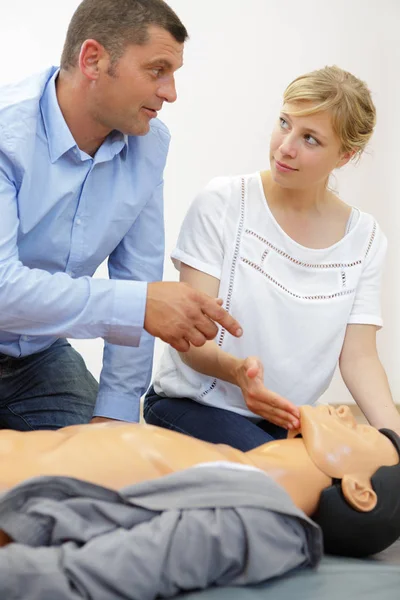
(283, 168)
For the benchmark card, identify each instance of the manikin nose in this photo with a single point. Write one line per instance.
(344, 413)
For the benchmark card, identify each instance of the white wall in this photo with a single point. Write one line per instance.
(241, 55)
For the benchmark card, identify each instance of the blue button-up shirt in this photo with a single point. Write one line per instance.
(62, 213)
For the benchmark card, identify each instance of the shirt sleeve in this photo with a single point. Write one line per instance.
(200, 242)
(35, 302)
(126, 371)
(367, 304)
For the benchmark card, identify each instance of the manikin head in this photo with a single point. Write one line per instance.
(360, 512)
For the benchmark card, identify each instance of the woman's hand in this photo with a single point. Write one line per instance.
(261, 401)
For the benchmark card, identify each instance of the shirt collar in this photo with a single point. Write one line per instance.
(59, 137)
(114, 143)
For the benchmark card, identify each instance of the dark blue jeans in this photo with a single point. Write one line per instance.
(47, 390)
(207, 423)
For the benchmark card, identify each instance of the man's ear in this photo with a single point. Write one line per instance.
(92, 53)
(359, 493)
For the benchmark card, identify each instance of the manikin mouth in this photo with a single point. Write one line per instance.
(298, 431)
(294, 433)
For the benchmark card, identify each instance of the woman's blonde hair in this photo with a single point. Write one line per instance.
(345, 96)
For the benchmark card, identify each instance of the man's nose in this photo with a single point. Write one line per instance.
(167, 91)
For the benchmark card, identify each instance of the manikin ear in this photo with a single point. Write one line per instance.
(359, 493)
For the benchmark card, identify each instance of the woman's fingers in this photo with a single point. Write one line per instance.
(278, 416)
(273, 407)
(253, 367)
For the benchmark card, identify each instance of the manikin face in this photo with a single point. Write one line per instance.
(340, 447)
(304, 150)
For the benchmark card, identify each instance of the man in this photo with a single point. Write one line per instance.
(81, 181)
(214, 518)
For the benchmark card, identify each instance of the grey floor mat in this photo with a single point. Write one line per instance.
(390, 556)
(377, 578)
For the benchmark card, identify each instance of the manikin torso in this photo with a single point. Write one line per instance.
(120, 454)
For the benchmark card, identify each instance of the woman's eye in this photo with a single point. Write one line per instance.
(311, 140)
(283, 123)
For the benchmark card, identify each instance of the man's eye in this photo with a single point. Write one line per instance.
(156, 71)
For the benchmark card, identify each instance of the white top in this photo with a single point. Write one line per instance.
(293, 302)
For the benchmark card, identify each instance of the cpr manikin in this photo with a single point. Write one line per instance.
(344, 475)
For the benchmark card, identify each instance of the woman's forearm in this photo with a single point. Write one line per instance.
(367, 382)
(210, 360)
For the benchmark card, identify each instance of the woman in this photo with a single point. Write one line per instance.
(299, 269)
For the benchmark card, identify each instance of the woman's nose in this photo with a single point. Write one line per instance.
(288, 148)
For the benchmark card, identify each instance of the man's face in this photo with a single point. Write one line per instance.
(127, 95)
(339, 446)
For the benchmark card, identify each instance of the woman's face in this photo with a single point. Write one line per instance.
(304, 150)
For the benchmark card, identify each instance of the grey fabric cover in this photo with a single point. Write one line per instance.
(185, 531)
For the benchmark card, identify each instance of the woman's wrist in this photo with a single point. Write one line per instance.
(236, 369)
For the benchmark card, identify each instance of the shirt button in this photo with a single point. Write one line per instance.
(70, 273)
(24, 338)
(78, 221)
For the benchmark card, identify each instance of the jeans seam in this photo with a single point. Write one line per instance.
(170, 425)
(19, 417)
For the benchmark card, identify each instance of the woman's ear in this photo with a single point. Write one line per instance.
(359, 493)
(345, 159)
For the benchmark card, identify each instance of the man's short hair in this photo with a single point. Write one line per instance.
(348, 532)
(116, 24)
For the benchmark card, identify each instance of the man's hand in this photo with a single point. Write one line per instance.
(4, 539)
(104, 420)
(181, 315)
(260, 400)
